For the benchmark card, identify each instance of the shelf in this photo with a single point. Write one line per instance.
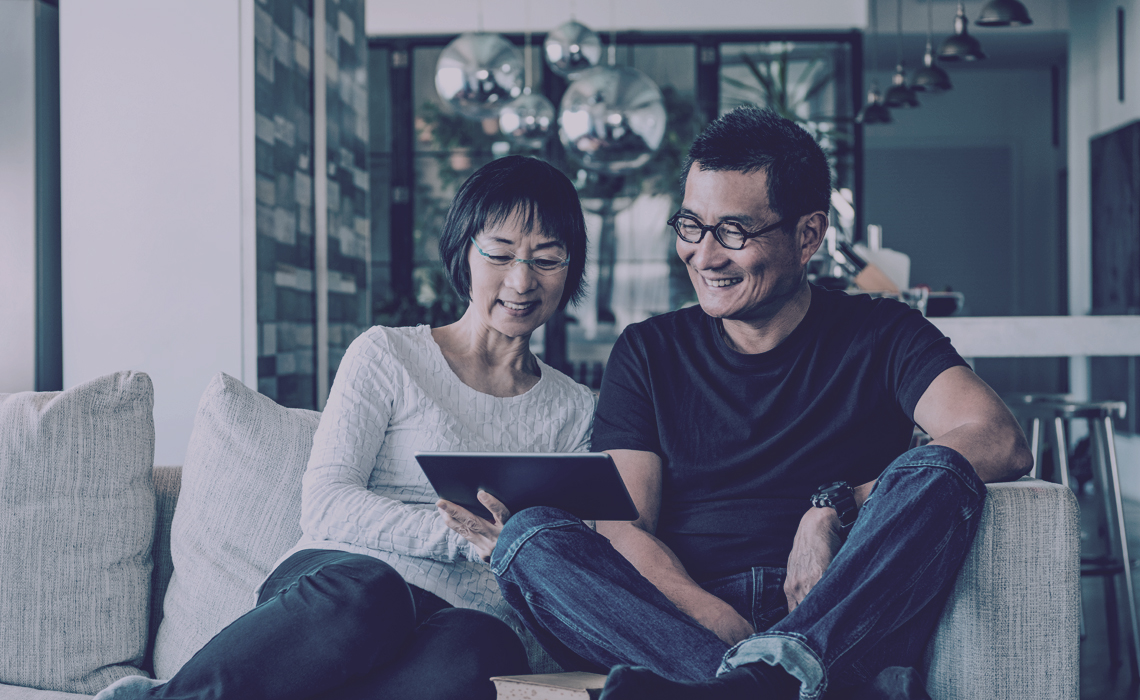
(1042, 336)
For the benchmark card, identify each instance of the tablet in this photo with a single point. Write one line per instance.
(586, 484)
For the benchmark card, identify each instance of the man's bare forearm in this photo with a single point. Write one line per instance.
(996, 451)
(958, 410)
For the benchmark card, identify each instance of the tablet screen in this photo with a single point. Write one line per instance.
(585, 484)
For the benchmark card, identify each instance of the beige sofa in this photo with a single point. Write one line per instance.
(102, 576)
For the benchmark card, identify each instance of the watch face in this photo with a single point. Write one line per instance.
(841, 497)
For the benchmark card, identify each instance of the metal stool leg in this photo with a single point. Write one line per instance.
(1062, 450)
(1033, 446)
(1061, 462)
(1112, 621)
(1109, 447)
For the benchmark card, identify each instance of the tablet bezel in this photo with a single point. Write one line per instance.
(593, 491)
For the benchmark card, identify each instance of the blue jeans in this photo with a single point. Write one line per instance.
(874, 607)
(331, 624)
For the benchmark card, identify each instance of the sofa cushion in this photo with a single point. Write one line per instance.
(238, 511)
(76, 528)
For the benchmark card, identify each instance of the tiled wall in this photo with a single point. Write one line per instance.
(349, 231)
(286, 299)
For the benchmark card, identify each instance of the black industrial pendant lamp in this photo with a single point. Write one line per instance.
(1004, 13)
(874, 112)
(899, 93)
(961, 46)
(930, 78)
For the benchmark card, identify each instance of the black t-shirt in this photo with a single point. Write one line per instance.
(746, 439)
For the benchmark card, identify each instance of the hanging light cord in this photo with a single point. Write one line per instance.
(929, 22)
(613, 35)
(479, 14)
(874, 39)
(528, 69)
(898, 36)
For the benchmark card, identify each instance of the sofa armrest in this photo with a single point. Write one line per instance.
(1010, 626)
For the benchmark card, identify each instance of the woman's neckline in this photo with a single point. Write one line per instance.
(543, 370)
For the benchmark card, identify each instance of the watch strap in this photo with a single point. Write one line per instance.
(839, 496)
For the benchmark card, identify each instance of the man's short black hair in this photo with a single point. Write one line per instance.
(538, 190)
(748, 140)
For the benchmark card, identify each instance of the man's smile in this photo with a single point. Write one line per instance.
(725, 282)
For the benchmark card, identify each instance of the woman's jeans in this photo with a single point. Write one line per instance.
(331, 624)
(875, 606)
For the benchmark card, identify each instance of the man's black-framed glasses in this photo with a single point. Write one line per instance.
(729, 234)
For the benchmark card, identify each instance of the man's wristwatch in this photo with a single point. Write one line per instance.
(840, 496)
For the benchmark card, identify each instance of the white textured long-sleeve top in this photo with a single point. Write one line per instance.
(363, 491)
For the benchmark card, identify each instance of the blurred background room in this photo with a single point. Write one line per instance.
(246, 185)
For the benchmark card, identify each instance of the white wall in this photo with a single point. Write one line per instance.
(17, 196)
(156, 151)
(1094, 109)
(966, 184)
(988, 110)
(390, 17)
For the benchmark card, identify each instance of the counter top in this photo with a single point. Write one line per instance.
(1042, 336)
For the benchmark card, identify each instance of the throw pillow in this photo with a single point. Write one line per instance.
(238, 511)
(76, 528)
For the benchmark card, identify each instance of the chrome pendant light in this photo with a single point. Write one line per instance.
(874, 112)
(930, 78)
(1004, 13)
(961, 46)
(899, 93)
(528, 120)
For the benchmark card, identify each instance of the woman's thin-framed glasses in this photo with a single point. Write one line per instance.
(729, 234)
(543, 266)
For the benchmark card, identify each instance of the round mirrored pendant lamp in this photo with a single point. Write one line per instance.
(528, 120)
(930, 78)
(478, 73)
(571, 48)
(612, 118)
(1004, 13)
(960, 46)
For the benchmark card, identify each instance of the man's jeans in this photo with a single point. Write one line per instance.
(874, 607)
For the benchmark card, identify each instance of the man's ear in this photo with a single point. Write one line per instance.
(812, 229)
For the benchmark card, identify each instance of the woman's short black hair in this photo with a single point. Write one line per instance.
(534, 188)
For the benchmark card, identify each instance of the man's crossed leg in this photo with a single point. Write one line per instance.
(874, 607)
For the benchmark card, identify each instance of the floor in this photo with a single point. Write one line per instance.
(1101, 679)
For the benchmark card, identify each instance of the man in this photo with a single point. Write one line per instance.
(784, 545)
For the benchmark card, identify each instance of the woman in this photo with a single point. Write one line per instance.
(380, 599)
